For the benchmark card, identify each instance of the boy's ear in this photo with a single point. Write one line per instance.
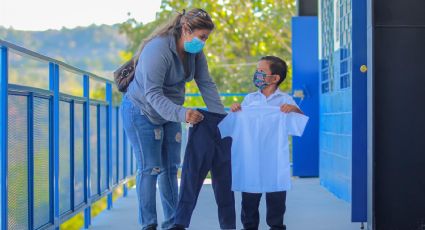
(276, 79)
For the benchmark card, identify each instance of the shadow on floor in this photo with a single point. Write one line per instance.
(309, 206)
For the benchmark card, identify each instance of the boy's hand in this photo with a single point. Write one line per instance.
(287, 108)
(235, 107)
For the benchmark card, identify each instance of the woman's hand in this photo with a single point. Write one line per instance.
(235, 107)
(193, 116)
(287, 108)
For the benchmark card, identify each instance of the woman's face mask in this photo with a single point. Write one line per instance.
(259, 80)
(194, 46)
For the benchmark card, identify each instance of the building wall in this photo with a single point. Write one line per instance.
(335, 130)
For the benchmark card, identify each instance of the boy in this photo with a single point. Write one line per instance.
(253, 162)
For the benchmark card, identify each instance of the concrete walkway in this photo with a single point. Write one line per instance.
(309, 206)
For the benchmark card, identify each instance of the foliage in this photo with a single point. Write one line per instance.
(93, 48)
(244, 33)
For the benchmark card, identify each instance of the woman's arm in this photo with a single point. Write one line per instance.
(206, 85)
(153, 65)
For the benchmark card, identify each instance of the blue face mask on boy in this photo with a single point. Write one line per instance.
(194, 46)
(259, 80)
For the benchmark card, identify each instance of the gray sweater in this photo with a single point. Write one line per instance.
(158, 88)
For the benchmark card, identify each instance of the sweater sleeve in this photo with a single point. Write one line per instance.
(207, 86)
(154, 65)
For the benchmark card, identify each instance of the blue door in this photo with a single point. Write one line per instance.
(343, 94)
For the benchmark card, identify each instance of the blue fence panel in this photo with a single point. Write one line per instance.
(78, 154)
(17, 198)
(41, 147)
(3, 134)
(103, 150)
(93, 151)
(64, 157)
(55, 154)
(114, 146)
(120, 149)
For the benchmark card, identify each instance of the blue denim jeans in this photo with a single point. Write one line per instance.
(157, 151)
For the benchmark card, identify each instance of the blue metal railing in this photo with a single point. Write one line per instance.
(65, 151)
(59, 153)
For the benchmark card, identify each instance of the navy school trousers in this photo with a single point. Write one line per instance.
(206, 151)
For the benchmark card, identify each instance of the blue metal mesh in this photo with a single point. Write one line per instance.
(120, 148)
(64, 157)
(78, 154)
(103, 149)
(128, 158)
(93, 150)
(23, 67)
(70, 82)
(114, 146)
(17, 197)
(41, 162)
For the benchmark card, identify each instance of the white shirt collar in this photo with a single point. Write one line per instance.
(276, 93)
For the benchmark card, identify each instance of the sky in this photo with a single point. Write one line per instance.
(39, 15)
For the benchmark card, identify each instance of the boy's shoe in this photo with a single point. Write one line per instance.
(283, 228)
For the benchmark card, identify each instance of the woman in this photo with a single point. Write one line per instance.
(152, 108)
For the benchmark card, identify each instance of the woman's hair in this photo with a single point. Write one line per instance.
(277, 66)
(194, 19)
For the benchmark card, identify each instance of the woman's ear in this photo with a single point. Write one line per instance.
(186, 30)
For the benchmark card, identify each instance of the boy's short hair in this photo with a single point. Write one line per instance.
(277, 66)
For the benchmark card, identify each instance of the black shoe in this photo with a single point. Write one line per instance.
(177, 227)
(282, 228)
(152, 227)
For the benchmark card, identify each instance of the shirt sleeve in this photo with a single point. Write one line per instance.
(227, 125)
(291, 101)
(207, 86)
(296, 123)
(246, 100)
(154, 66)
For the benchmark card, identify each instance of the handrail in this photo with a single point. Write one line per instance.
(30, 109)
(113, 166)
(42, 57)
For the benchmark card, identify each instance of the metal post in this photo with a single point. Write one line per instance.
(54, 86)
(87, 195)
(30, 172)
(124, 186)
(98, 164)
(109, 141)
(3, 135)
(72, 155)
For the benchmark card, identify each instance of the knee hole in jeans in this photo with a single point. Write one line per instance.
(178, 137)
(157, 134)
(152, 171)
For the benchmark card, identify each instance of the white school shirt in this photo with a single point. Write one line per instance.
(278, 98)
(260, 148)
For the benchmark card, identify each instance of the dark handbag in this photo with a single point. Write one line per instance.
(125, 74)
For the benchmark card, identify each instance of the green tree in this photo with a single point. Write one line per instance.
(245, 31)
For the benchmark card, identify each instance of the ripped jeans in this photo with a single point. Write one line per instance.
(157, 151)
